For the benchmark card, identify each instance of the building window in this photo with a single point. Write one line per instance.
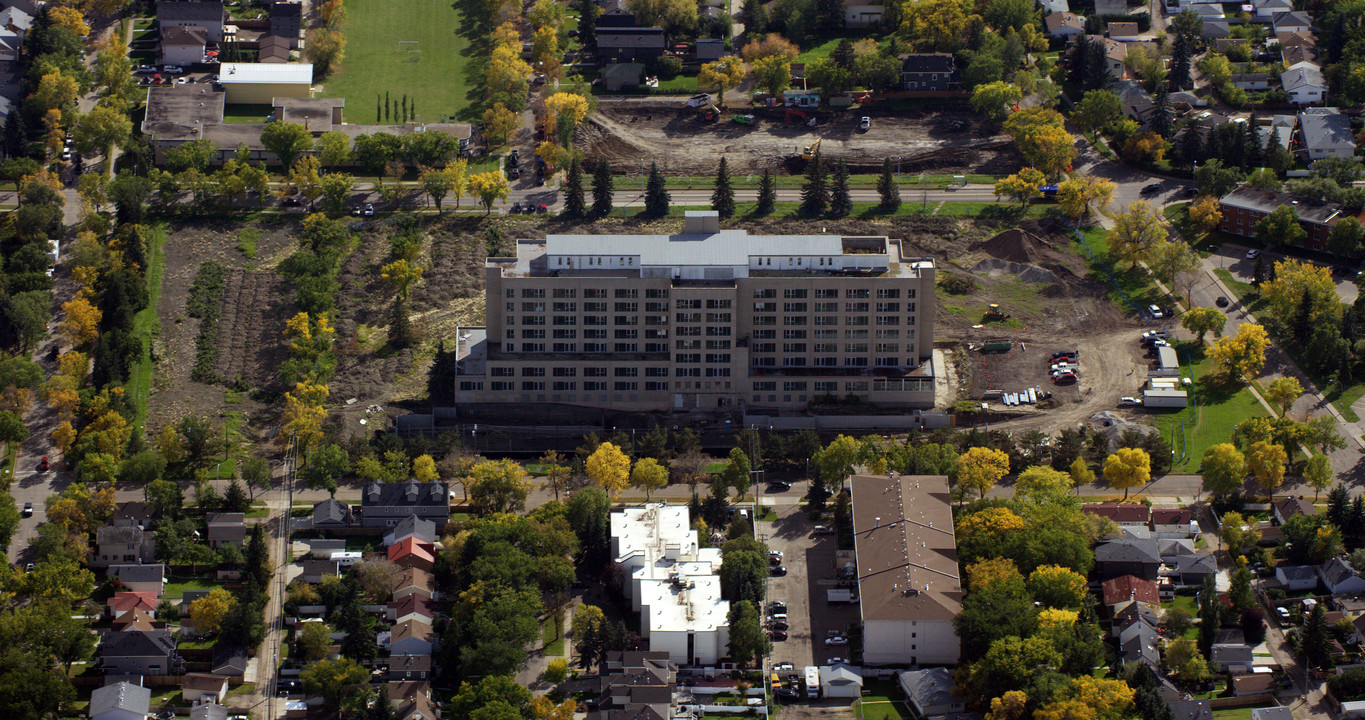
(503, 385)
(594, 293)
(564, 386)
(855, 307)
(594, 386)
(794, 386)
(532, 293)
(682, 304)
(827, 294)
(717, 357)
(766, 334)
(468, 385)
(655, 386)
(502, 372)
(565, 293)
(794, 293)
(629, 371)
(626, 347)
(720, 304)
(888, 293)
(627, 293)
(533, 385)
(793, 348)
(565, 347)
(765, 293)
(794, 307)
(656, 293)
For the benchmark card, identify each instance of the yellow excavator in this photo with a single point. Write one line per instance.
(809, 152)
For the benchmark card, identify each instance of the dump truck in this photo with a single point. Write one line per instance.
(708, 113)
(997, 346)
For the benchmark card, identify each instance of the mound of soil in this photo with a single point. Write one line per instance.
(1018, 246)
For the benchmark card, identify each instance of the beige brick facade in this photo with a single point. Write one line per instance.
(706, 319)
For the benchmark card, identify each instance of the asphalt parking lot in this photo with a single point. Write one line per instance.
(810, 563)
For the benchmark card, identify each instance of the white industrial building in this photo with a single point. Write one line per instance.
(672, 582)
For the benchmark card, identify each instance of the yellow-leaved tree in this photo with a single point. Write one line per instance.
(1128, 468)
(609, 468)
(209, 611)
(564, 112)
(1243, 354)
(980, 468)
(721, 74)
(424, 469)
(649, 475)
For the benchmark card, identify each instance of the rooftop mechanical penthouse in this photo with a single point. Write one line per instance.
(705, 319)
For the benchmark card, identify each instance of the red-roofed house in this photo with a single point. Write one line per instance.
(411, 553)
(123, 602)
(1129, 587)
(1125, 514)
(1174, 523)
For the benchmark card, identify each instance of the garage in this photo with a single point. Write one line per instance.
(260, 83)
(840, 681)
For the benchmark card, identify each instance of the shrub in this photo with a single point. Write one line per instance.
(206, 303)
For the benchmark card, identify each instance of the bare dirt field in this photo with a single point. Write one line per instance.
(1053, 304)
(940, 141)
(254, 309)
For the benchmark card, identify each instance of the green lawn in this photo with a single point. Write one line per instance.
(380, 60)
(1217, 410)
(177, 588)
(1232, 714)
(551, 638)
(146, 328)
(869, 210)
(908, 181)
(1134, 282)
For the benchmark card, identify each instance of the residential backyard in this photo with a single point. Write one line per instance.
(418, 52)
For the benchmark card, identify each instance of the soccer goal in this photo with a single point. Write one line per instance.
(413, 49)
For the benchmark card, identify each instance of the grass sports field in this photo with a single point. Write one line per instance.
(378, 59)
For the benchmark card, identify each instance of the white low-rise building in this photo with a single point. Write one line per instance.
(672, 582)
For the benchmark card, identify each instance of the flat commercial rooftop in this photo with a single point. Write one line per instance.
(266, 73)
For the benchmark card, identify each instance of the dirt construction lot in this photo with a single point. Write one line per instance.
(942, 141)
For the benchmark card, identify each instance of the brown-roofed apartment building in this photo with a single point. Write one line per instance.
(908, 581)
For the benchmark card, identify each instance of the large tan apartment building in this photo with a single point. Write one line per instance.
(705, 319)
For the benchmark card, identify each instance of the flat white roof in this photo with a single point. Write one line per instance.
(727, 247)
(691, 606)
(266, 73)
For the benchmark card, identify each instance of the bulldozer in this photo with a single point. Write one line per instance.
(994, 314)
(809, 152)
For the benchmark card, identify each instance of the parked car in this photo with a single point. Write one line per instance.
(43, 464)
(1150, 190)
(172, 69)
(1155, 311)
(778, 625)
(515, 209)
(513, 172)
(1158, 334)
(369, 210)
(776, 634)
(865, 123)
(1221, 302)
(822, 530)
(836, 641)
(1252, 254)
(777, 606)
(1065, 353)
(28, 510)
(835, 660)
(778, 571)
(1129, 402)
(783, 667)
(788, 694)
(1064, 379)
(779, 486)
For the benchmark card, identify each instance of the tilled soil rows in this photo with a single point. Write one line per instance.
(250, 327)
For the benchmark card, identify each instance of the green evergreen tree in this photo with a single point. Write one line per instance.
(378, 109)
(601, 189)
(723, 196)
(388, 106)
(1180, 62)
(840, 203)
(573, 191)
(767, 194)
(656, 196)
(815, 193)
(888, 188)
(405, 107)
